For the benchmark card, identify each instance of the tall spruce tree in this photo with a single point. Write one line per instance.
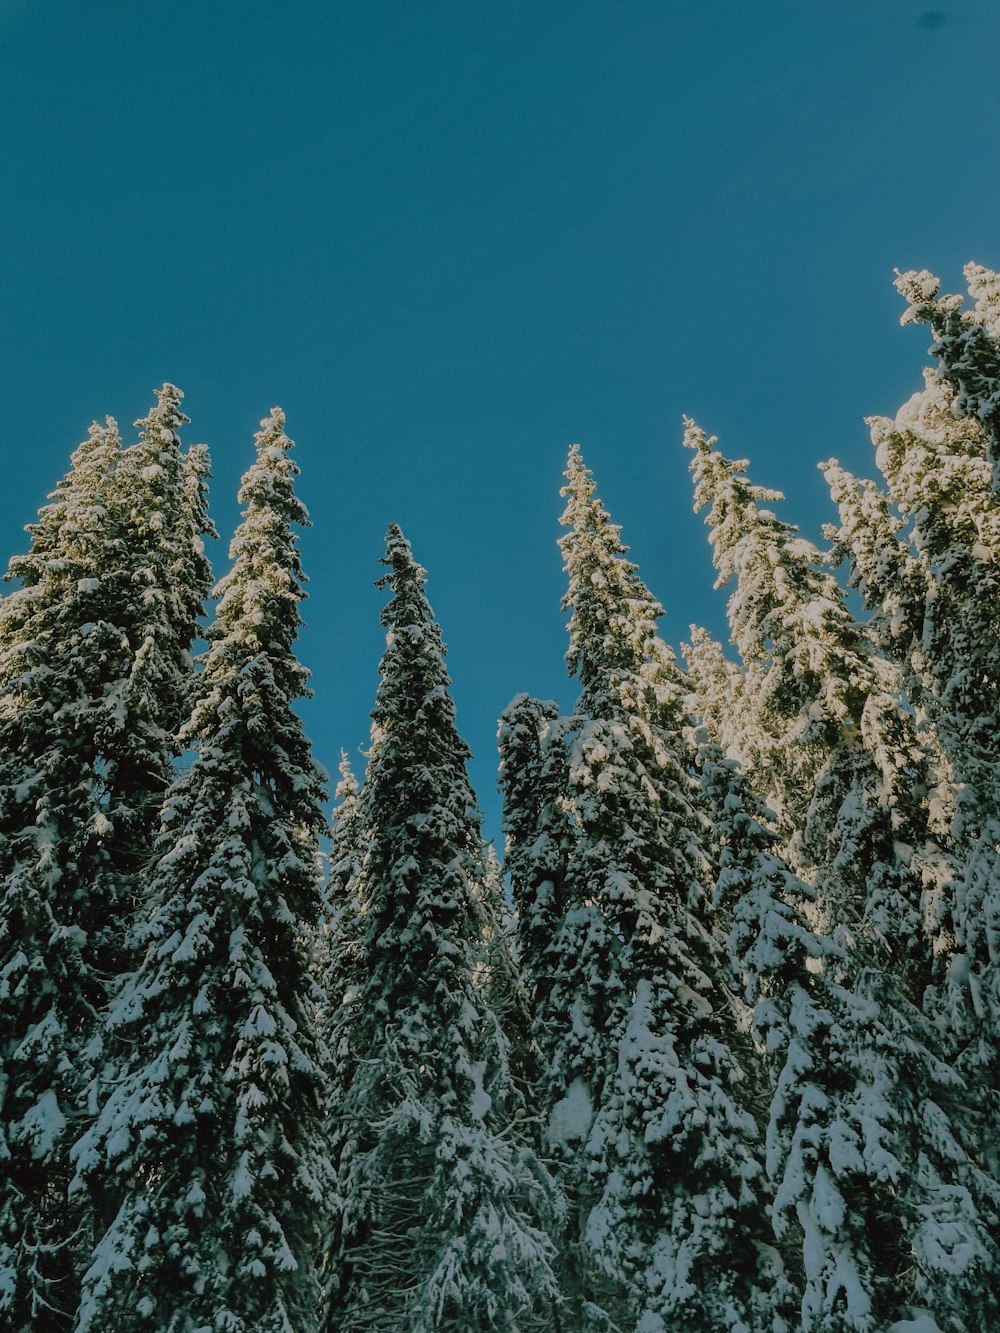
(163, 493)
(539, 834)
(85, 758)
(894, 1211)
(213, 1129)
(339, 969)
(502, 980)
(926, 553)
(340, 953)
(716, 698)
(660, 1154)
(61, 646)
(442, 1193)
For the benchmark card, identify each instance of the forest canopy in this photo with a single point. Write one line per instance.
(711, 1043)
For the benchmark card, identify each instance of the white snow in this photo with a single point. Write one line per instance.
(571, 1118)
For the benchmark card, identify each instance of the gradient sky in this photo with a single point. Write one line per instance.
(452, 238)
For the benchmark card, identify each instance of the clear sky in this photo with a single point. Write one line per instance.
(450, 238)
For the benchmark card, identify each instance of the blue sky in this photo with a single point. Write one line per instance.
(452, 238)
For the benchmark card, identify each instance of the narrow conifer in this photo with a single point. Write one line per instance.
(62, 648)
(659, 1152)
(213, 1131)
(894, 1210)
(442, 1195)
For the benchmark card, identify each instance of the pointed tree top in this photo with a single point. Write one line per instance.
(272, 434)
(267, 486)
(613, 644)
(100, 434)
(259, 597)
(406, 579)
(347, 788)
(579, 478)
(398, 552)
(589, 522)
(696, 438)
(966, 346)
(77, 508)
(721, 480)
(167, 414)
(584, 509)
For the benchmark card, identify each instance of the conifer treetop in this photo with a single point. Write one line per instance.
(251, 673)
(413, 696)
(787, 614)
(258, 599)
(428, 846)
(614, 648)
(165, 418)
(984, 288)
(347, 788)
(965, 343)
(439, 1186)
(216, 1043)
(77, 516)
(936, 585)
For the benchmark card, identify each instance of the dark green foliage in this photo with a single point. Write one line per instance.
(85, 755)
(441, 1193)
(213, 1129)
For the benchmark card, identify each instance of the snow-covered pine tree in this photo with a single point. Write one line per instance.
(661, 1156)
(894, 1211)
(163, 492)
(966, 344)
(539, 835)
(933, 582)
(817, 700)
(339, 970)
(86, 760)
(339, 951)
(443, 1197)
(504, 988)
(806, 1027)
(62, 649)
(716, 690)
(213, 1129)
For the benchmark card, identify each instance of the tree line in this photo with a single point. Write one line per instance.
(715, 1046)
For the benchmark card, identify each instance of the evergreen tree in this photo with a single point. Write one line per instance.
(340, 977)
(825, 1108)
(442, 1194)
(503, 985)
(539, 836)
(660, 1152)
(831, 743)
(966, 346)
(163, 493)
(716, 697)
(213, 1128)
(340, 952)
(61, 648)
(930, 575)
(85, 758)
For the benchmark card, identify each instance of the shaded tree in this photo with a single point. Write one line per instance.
(443, 1198)
(212, 1130)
